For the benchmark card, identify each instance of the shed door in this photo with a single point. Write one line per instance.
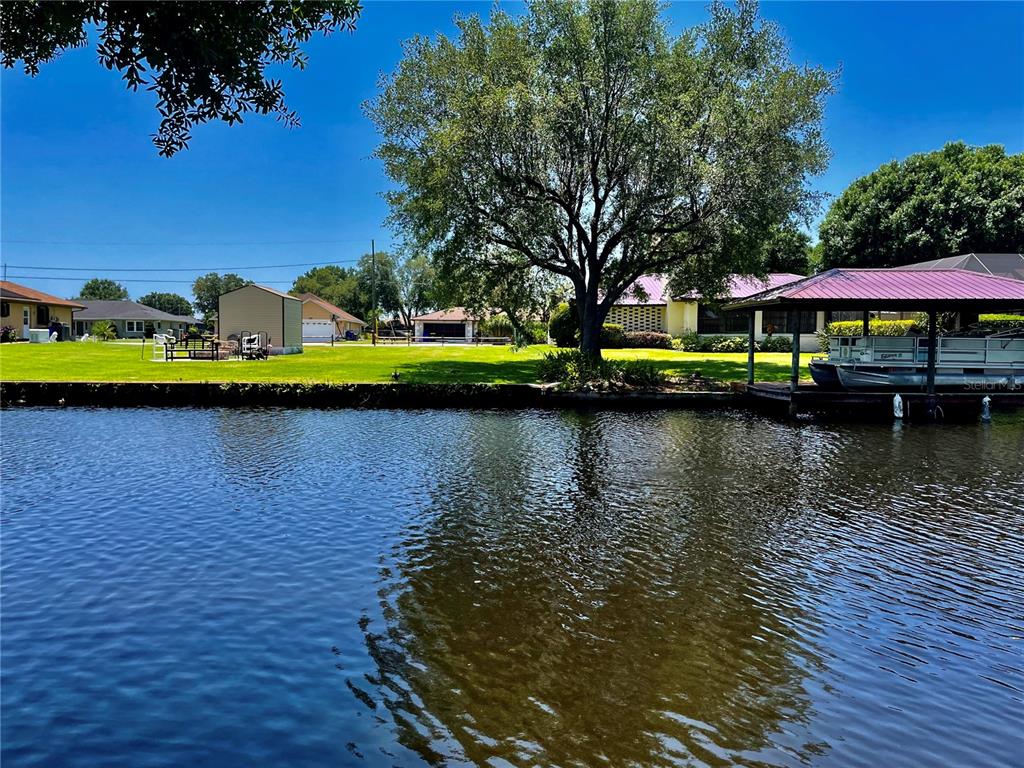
(317, 330)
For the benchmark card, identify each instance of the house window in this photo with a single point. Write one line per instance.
(719, 321)
(779, 321)
(133, 326)
(42, 315)
(5, 309)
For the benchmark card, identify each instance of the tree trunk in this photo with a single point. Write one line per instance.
(591, 319)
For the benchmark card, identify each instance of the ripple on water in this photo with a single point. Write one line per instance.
(232, 587)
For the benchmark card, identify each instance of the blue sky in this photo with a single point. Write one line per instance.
(82, 185)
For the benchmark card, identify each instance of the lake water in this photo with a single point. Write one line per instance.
(378, 588)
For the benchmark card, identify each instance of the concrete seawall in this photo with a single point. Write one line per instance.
(240, 394)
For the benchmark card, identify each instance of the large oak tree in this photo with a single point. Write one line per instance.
(586, 140)
(203, 60)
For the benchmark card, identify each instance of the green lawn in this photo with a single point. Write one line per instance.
(89, 361)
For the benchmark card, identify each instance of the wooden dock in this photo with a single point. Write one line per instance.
(809, 398)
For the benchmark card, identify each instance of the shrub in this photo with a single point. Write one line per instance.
(689, 342)
(647, 340)
(728, 344)
(563, 326)
(1000, 322)
(103, 330)
(875, 327)
(497, 325)
(536, 333)
(7, 334)
(775, 344)
(612, 336)
(572, 370)
(641, 373)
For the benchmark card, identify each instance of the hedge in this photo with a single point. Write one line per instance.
(648, 340)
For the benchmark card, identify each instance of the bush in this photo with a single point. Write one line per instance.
(647, 340)
(7, 334)
(497, 325)
(563, 326)
(536, 333)
(728, 344)
(641, 373)
(103, 330)
(689, 342)
(1000, 322)
(876, 327)
(612, 336)
(775, 344)
(572, 370)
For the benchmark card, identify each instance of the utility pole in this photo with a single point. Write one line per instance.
(373, 283)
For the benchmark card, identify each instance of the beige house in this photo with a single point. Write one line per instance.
(322, 321)
(649, 306)
(27, 310)
(257, 309)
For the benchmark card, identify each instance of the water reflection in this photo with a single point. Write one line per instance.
(565, 611)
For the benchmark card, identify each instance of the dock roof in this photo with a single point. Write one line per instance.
(908, 289)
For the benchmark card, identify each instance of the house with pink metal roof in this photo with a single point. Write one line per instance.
(649, 305)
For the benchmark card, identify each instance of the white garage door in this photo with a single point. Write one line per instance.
(317, 330)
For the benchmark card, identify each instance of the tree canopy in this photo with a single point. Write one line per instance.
(203, 60)
(586, 141)
(171, 303)
(208, 289)
(352, 288)
(101, 289)
(332, 283)
(417, 287)
(787, 248)
(959, 199)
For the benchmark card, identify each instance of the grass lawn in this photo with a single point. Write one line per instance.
(88, 361)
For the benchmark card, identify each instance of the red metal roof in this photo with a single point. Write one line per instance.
(890, 287)
(656, 290)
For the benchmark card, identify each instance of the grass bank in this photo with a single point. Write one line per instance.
(350, 363)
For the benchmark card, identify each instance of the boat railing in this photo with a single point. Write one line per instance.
(1003, 349)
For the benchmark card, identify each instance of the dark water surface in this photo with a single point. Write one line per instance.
(303, 588)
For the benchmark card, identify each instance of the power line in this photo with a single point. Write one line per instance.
(134, 280)
(182, 269)
(193, 244)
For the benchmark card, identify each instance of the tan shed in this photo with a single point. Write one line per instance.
(258, 309)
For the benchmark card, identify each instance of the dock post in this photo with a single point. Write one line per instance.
(750, 347)
(932, 344)
(866, 327)
(794, 374)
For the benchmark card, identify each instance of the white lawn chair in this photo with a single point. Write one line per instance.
(160, 342)
(53, 337)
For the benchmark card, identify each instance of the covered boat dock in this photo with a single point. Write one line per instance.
(930, 291)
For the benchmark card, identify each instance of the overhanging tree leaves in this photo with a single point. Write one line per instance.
(959, 199)
(586, 141)
(203, 60)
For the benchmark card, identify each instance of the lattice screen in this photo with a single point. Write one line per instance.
(638, 317)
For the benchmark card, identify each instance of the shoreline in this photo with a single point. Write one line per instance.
(330, 395)
(773, 401)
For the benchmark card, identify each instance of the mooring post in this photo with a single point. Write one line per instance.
(750, 347)
(866, 321)
(794, 374)
(932, 352)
